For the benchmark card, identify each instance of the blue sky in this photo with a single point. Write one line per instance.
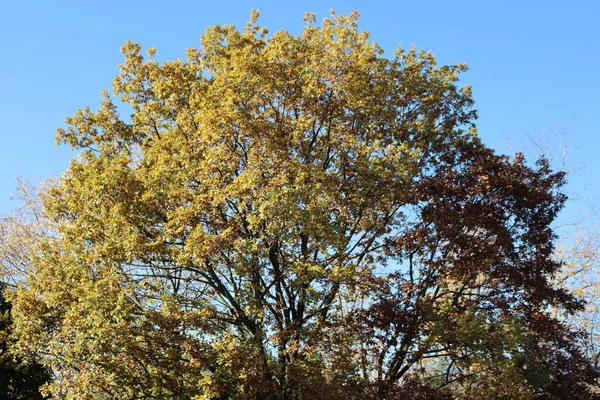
(533, 64)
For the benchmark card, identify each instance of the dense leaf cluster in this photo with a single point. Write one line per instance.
(18, 380)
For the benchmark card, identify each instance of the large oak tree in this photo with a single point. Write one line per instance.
(296, 217)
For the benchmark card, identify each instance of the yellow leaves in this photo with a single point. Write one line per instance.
(151, 52)
(467, 90)
(307, 272)
(309, 18)
(254, 14)
(130, 48)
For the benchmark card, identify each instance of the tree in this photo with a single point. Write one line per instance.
(578, 246)
(296, 217)
(581, 255)
(21, 231)
(18, 380)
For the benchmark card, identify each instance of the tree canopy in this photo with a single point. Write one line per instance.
(19, 380)
(296, 217)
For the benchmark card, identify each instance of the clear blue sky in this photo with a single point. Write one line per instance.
(533, 64)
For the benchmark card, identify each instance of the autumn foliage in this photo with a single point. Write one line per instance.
(296, 217)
